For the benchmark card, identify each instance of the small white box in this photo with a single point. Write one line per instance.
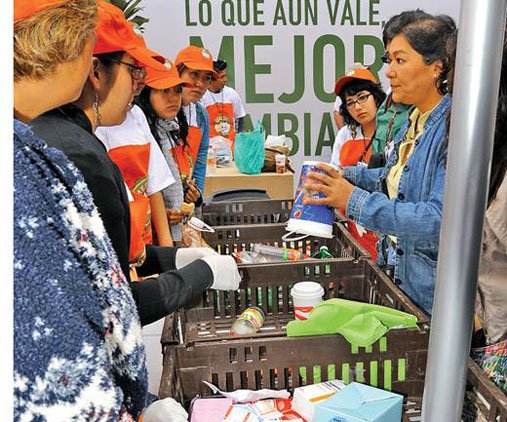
(305, 398)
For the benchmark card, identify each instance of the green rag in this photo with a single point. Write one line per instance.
(362, 324)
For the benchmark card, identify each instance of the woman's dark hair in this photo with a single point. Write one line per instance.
(143, 101)
(352, 88)
(499, 161)
(428, 35)
(219, 65)
(108, 60)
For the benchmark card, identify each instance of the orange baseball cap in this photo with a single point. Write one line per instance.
(356, 73)
(164, 79)
(114, 33)
(23, 9)
(197, 58)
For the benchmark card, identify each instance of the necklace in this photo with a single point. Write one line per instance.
(222, 123)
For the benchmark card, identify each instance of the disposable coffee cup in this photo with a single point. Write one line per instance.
(305, 295)
(280, 163)
(311, 220)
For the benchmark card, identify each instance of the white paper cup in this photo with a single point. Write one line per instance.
(305, 295)
(280, 163)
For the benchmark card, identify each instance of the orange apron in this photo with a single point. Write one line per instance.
(133, 161)
(185, 156)
(350, 154)
(221, 117)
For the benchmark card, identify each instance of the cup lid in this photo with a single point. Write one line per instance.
(307, 288)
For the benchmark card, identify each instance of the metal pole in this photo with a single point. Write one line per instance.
(476, 82)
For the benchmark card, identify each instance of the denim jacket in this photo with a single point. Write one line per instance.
(414, 217)
(201, 162)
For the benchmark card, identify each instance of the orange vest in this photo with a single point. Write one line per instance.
(350, 154)
(185, 156)
(221, 117)
(133, 161)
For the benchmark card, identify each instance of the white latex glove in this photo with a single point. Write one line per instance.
(185, 256)
(165, 410)
(225, 272)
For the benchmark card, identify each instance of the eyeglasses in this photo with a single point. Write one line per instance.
(197, 76)
(178, 89)
(138, 73)
(362, 98)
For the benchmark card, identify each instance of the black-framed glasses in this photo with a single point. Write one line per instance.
(361, 98)
(138, 73)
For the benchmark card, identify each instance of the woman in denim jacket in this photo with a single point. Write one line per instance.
(403, 200)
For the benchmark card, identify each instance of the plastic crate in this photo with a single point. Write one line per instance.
(197, 346)
(229, 239)
(247, 212)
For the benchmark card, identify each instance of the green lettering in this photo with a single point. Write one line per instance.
(333, 13)
(326, 128)
(311, 12)
(318, 65)
(188, 21)
(358, 14)
(307, 125)
(373, 13)
(294, 17)
(360, 41)
(257, 12)
(205, 12)
(225, 52)
(252, 69)
(299, 72)
(266, 122)
(228, 13)
(243, 15)
(347, 13)
(290, 133)
(279, 14)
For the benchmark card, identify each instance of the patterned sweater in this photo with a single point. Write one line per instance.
(78, 351)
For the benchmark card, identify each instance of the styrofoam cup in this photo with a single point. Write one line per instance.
(305, 295)
(280, 163)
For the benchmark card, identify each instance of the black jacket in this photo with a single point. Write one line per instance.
(69, 129)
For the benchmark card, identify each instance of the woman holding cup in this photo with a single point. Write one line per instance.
(403, 200)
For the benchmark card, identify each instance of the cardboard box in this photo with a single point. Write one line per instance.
(360, 403)
(307, 397)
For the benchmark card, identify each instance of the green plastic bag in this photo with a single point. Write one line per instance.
(249, 150)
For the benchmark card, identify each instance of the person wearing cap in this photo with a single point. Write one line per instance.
(132, 147)
(160, 101)
(360, 96)
(71, 129)
(224, 105)
(70, 296)
(403, 200)
(195, 66)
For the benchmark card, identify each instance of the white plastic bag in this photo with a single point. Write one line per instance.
(222, 149)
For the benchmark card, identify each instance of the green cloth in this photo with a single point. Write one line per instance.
(362, 324)
(382, 120)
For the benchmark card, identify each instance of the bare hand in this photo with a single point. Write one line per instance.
(335, 188)
(193, 193)
(174, 216)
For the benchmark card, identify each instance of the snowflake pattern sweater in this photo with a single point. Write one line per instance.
(78, 351)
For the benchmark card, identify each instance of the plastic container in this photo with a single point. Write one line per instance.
(249, 322)
(212, 161)
(280, 161)
(305, 295)
(312, 220)
(276, 253)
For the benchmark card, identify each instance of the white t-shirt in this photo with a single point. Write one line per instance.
(337, 103)
(344, 135)
(227, 95)
(134, 132)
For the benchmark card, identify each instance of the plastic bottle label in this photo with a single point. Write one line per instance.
(254, 315)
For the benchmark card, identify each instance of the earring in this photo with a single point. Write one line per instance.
(96, 111)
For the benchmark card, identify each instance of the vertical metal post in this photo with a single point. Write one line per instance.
(476, 82)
